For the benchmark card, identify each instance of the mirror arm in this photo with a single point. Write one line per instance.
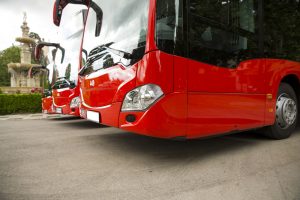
(63, 53)
(99, 19)
(85, 53)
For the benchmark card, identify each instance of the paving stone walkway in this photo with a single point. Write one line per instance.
(28, 116)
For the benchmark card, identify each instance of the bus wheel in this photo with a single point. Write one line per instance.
(286, 113)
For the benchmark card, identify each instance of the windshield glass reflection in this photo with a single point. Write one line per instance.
(124, 27)
(70, 34)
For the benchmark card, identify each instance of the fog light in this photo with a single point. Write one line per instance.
(75, 102)
(130, 118)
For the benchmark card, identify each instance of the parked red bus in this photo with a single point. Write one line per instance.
(66, 99)
(65, 90)
(47, 103)
(191, 68)
(47, 100)
(46, 65)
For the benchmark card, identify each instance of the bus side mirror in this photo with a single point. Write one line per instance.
(99, 19)
(62, 54)
(98, 28)
(39, 46)
(54, 54)
(59, 6)
(36, 68)
(38, 52)
(85, 53)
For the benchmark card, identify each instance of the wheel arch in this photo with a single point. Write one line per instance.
(293, 81)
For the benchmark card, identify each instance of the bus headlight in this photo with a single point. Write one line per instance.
(142, 97)
(75, 102)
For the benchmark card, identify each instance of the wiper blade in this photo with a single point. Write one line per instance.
(91, 60)
(99, 49)
(121, 53)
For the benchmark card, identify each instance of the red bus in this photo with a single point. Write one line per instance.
(65, 90)
(46, 65)
(60, 88)
(47, 100)
(191, 68)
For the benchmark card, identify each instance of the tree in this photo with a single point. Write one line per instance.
(68, 72)
(11, 54)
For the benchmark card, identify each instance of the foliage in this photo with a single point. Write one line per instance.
(68, 72)
(20, 103)
(11, 54)
(282, 17)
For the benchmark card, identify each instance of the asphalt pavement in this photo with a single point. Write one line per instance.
(69, 158)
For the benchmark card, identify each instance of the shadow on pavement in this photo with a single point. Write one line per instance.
(158, 150)
(82, 124)
(64, 118)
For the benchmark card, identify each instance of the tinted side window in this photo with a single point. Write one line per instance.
(169, 26)
(215, 10)
(282, 29)
(223, 32)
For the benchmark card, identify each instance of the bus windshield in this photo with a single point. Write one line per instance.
(70, 35)
(123, 34)
(63, 83)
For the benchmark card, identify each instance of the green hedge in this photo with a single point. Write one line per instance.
(20, 103)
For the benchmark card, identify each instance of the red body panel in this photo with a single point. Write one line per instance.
(62, 99)
(223, 100)
(106, 84)
(47, 105)
(199, 99)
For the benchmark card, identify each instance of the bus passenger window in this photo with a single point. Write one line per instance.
(222, 32)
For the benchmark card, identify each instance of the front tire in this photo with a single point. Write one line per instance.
(286, 113)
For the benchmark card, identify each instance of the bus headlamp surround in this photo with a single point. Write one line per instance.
(75, 102)
(142, 97)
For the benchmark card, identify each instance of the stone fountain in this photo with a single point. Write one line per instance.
(20, 80)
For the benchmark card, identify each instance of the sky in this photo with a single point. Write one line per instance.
(39, 19)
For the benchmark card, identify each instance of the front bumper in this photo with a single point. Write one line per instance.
(66, 110)
(49, 111)
(165, 119)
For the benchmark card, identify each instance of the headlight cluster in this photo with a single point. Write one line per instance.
(141, 98)
(75, 102)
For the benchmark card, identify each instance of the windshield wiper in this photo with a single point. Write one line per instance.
(91, 60)
(99, 49)
(121, 53)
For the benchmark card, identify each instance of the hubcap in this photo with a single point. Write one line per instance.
(286, 111)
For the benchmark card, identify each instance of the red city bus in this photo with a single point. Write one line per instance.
(47, 100)
(60, 87)
(191, 68)
(66, 97)
(47, 105)
(65, 90)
